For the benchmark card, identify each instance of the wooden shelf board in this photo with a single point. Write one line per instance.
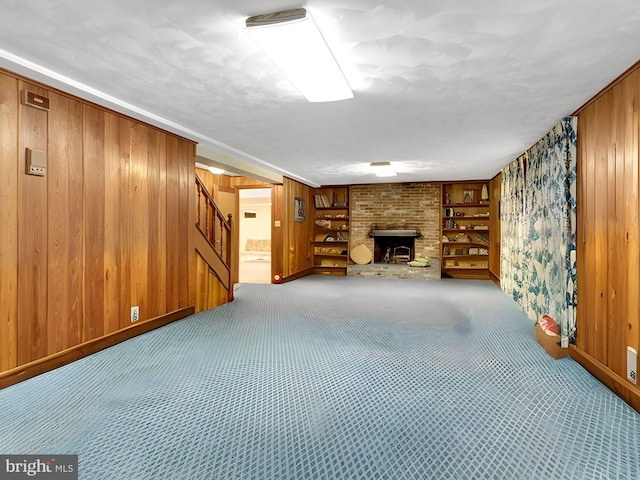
(470, 205)
(466, 243)
(465, 268)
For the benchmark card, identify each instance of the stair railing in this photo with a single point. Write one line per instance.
(212, 223)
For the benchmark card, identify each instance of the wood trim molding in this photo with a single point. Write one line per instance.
(608, 377)
(606, 89)
(32, 369)
(296, 276)
(86, 101)
(212, 258)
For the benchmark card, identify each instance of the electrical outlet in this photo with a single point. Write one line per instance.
(135, 314)
(632, 365)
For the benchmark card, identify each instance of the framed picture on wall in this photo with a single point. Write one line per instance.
(299, 213)
(468, 196)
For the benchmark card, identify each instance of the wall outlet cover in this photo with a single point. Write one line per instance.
(632, 365)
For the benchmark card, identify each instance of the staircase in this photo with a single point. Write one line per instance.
(213, 244)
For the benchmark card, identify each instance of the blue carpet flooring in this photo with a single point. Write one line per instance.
(331, 378)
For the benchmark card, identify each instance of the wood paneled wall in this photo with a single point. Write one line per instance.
(210, 291)
(105, 229)
(495, 193)
(8, 221)
(277, 232)
(297, 248)
(609, 231)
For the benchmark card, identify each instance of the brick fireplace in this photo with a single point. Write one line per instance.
(397, 206)
(393, 246)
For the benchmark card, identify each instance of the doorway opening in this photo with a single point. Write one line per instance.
(255, 235)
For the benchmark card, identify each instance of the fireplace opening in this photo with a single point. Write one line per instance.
(393, 246)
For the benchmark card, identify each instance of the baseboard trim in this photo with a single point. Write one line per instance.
(298, 275)
(620, 386)
(32, 369)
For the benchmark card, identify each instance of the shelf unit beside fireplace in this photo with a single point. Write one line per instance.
(331, 230)
(465, 223)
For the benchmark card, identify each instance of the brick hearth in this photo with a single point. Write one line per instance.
(396, 271)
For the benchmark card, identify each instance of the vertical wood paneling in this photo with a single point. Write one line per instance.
(210, 180)
(94, 221)
(65, 224)
(157, 224)
(495, 189)
(32, 238)
(277, 232)
(125, 128)
(299, 251)
(618, 254)
(186, 223)
(91, 238)
(139, 218)
(608, 228)
(589, 297)
(210, 291)
(630, 122)
(615, 208)
(601, 241)
(228, 202)
(8, 221)
(631, 101)
(112, 225)
(202, 283)
(173, 219)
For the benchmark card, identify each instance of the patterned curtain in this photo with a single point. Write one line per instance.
(541, 276)
(512, 216)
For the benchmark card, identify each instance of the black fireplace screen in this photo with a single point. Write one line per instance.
(393, 249)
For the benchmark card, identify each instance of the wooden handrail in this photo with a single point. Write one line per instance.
(212, 224)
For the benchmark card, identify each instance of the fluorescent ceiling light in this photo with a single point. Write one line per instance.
(383, 169)
(293, 42)
(212, 169)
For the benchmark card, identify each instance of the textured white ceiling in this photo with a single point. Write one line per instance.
(444, 89)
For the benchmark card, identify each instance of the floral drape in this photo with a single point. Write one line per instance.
(512, 216)
(538, 214)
